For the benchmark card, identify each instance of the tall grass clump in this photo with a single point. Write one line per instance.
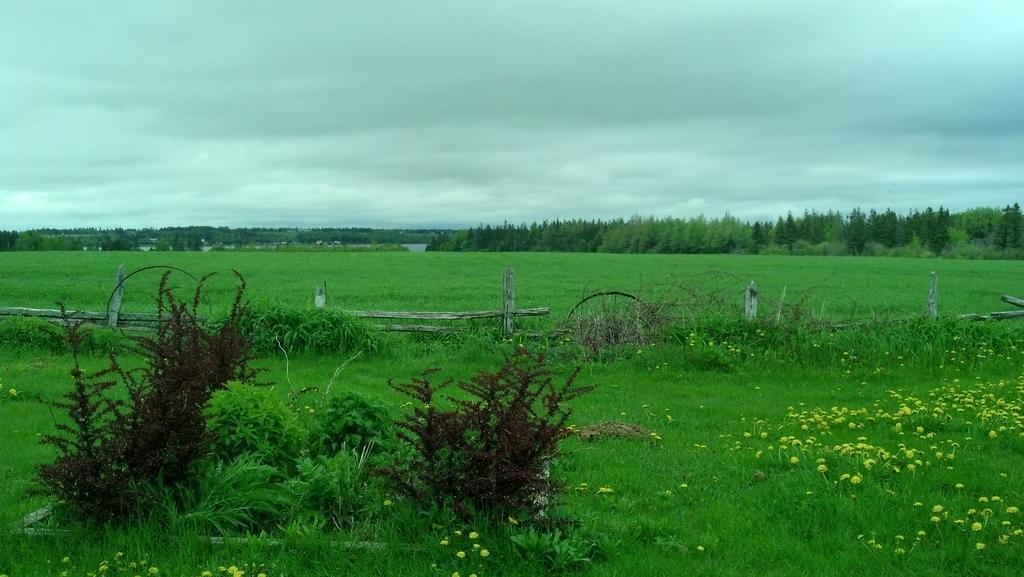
(305, 331)
(33, 334)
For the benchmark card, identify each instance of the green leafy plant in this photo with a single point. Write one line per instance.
(553, 549)
(349, 421)
(337, 489)
(249, 420)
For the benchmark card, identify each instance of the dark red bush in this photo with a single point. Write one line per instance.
(489, 451)
(158, 430)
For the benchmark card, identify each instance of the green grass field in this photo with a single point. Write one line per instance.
(838, 287)
(892, 454)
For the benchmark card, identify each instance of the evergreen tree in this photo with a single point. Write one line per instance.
(856, 231)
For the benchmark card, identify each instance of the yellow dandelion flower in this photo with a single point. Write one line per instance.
(513, 521)
(485, 553)
(976, 526)
(937, 509)
(473, 535)
(794, 460)
(12, 392)
(461, 554)
(992, 434)
(388, 502)
(855, 480)
(1012, 510)
(979, 546)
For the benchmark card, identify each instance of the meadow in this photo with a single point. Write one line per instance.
(780, 450)
(834, 287)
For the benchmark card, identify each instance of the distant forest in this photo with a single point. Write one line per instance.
(196, 238)
(975, 233)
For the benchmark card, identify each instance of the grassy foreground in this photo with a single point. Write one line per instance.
(870, 459)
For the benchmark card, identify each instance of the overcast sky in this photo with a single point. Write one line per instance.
(446, 113)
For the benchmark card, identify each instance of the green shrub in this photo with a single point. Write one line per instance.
(350, 421)
(306, 331)
(337, 489)
(553, 550)
(248, 420)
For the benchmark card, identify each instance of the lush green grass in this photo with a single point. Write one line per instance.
(704, 496)
(839, 287)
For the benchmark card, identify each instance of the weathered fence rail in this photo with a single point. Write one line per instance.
(448, 316)
(999, 315)
(120, 320)
(114, 318)
(507, 313)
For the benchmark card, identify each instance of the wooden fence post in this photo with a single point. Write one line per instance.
(115, 299)
(750, 302)
(933, 297)
(321, 296)
(508, 304)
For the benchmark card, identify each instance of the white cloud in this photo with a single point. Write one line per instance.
(456, 113)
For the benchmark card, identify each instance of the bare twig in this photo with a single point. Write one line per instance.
(338, 370)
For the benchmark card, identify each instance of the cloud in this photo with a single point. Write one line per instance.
(454, 113)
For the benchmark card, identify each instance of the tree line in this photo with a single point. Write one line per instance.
(195, 238)
(974, 233)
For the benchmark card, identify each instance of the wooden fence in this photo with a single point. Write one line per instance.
(931, 305)
(114, 318)
(111, 318)
(507, 313)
